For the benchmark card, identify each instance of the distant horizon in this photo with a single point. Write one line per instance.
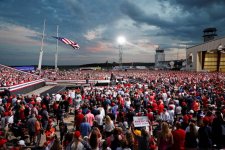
(36, 65)
(84, 64)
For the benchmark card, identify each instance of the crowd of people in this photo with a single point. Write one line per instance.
(76, 74)
(10, 76)
(185, 110)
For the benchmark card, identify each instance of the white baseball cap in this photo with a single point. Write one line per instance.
(21, 143)
(191, 111)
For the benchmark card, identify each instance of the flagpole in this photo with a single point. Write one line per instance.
(56, 54)
(41, 50)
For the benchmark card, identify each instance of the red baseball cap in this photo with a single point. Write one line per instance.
(205, 120)
(2, 142)
(44, 106)
(77, 134)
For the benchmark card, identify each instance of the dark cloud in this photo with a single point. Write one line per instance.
(168, 28)
(186, 25)
(33, 13)
(195, 4)
(173, 21)
(140, 16)
(213, 9)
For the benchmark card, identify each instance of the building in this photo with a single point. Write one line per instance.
(208, 56)
(159, 57)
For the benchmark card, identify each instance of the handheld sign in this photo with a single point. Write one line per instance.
(140, 121)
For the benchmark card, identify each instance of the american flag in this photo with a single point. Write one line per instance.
(68, 42)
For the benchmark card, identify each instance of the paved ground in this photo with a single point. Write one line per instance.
(40, 90)
(69, 120)
(53, 90)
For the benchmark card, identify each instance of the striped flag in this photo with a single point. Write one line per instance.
(68, 42)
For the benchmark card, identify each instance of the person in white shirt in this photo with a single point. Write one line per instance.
(77, 145)
(166, 103)
(178, 110)
(171, 114)
(77, 103)
(72, 94)
(2, 110)
(188, 127)
(102, 111)
(38, 99)
(164, 116)
(99, 120)
(14, 101)
(109, 126)
(127, 102)
(58, 97)
(164, 96)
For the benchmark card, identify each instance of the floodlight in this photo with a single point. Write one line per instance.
(121, 40)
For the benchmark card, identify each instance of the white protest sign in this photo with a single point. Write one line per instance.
(140, 121)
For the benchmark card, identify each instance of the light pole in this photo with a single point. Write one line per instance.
(121, 41)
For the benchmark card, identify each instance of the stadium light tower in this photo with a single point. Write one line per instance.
(121, 41)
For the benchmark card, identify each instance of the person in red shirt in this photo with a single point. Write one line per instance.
(151, 97)
(178, 137)
(78, 119)
(160, 107)
(70, 101)
(205, 101)
(55, 107)
(150, 115)
(154, 107)
(3, 142)
(21, 112)
(195, 106)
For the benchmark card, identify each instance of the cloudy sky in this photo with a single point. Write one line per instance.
(95, 25)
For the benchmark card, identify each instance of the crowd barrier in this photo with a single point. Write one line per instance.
(83, 81)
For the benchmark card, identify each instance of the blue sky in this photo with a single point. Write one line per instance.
(96, 24)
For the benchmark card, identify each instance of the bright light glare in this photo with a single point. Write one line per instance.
(121, 40)
(220, 47)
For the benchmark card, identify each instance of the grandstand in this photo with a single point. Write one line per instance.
(17, 81)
